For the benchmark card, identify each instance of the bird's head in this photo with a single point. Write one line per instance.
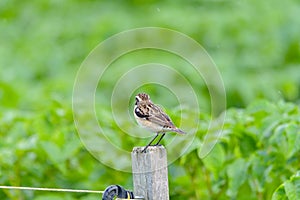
(141, 97)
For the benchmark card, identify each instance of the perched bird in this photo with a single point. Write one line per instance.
(153, 118)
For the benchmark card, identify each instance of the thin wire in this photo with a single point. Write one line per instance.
(55, 190)
(51, 189)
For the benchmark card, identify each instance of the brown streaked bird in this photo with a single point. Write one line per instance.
(153, 118)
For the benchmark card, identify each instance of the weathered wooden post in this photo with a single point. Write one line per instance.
(150, 173)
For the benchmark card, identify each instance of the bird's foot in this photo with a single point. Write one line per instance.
(152, 145)
(144, 150)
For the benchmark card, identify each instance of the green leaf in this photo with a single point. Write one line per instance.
(293, 137)
(290, 189)
(55, 154)
(70, 148)
(279, 140)
(214, 161)
(259, 170)
(237, 174)
(260, 108)
(53, 151)
(279, 194)
(247, 144)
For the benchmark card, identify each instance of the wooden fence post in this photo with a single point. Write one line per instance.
(150, 173)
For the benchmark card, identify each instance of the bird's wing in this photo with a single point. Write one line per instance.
(158, 116)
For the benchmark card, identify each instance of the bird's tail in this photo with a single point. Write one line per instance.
(177, 130)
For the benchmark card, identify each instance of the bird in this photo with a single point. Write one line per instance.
(152, 117)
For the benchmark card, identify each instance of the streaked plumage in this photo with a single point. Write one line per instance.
(152, 117)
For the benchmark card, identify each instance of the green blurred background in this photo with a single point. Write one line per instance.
(255, 45)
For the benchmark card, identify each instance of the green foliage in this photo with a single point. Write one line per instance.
(47, 41)
(256, 49)
(290, 189)
(42, 149)
(259, 149)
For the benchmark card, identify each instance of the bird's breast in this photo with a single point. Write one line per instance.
(145, 123)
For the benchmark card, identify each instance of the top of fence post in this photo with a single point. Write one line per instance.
(150, 173)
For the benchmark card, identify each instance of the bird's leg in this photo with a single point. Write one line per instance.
(144, 150)
(160, 139)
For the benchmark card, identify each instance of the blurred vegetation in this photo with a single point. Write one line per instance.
(255, 45)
